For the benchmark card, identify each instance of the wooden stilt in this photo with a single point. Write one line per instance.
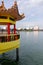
(17, 54)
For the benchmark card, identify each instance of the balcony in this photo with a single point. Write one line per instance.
(9, 38)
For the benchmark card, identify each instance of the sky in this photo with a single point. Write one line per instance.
(32, 9)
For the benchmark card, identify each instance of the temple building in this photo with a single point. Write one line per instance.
(9, 17)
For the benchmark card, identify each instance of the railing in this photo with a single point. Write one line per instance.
(8, 38)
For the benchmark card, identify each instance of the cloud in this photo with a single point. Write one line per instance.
(33, 3)
(27, 5)
(33, 10)
(18, 2)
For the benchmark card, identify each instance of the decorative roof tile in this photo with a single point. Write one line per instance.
(13, 11)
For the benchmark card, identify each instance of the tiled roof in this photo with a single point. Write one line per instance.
(13, 11)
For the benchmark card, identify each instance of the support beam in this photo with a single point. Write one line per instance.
(17, 49)
(17, 54)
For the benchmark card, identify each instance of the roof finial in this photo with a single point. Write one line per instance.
(2, 0)
(2, 7)
(15, 2)
(3, 3)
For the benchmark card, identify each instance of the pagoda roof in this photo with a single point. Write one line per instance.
(13, 11)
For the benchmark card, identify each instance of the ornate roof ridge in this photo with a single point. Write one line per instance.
(2, 7)
(13, 11)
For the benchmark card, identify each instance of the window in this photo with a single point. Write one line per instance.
(11, 19)
(3, 17)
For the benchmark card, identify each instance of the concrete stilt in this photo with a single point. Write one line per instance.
(17, 54)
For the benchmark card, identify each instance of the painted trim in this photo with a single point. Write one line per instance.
(7, 21)
(7, 46)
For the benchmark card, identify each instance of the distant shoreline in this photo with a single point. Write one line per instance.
(30, 30)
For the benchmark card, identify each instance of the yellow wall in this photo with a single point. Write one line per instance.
(7, 46)
(7, 21)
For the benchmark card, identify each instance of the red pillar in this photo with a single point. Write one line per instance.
(14, 28)
(8, 30)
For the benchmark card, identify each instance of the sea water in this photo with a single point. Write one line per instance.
(30, 51)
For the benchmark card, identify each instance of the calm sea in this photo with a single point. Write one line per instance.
(30, 51)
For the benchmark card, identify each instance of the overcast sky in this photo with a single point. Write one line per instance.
(33, 10)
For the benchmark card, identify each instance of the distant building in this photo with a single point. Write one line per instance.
(27, 28)
(18, 28)
(36, 28)
(31, 28)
